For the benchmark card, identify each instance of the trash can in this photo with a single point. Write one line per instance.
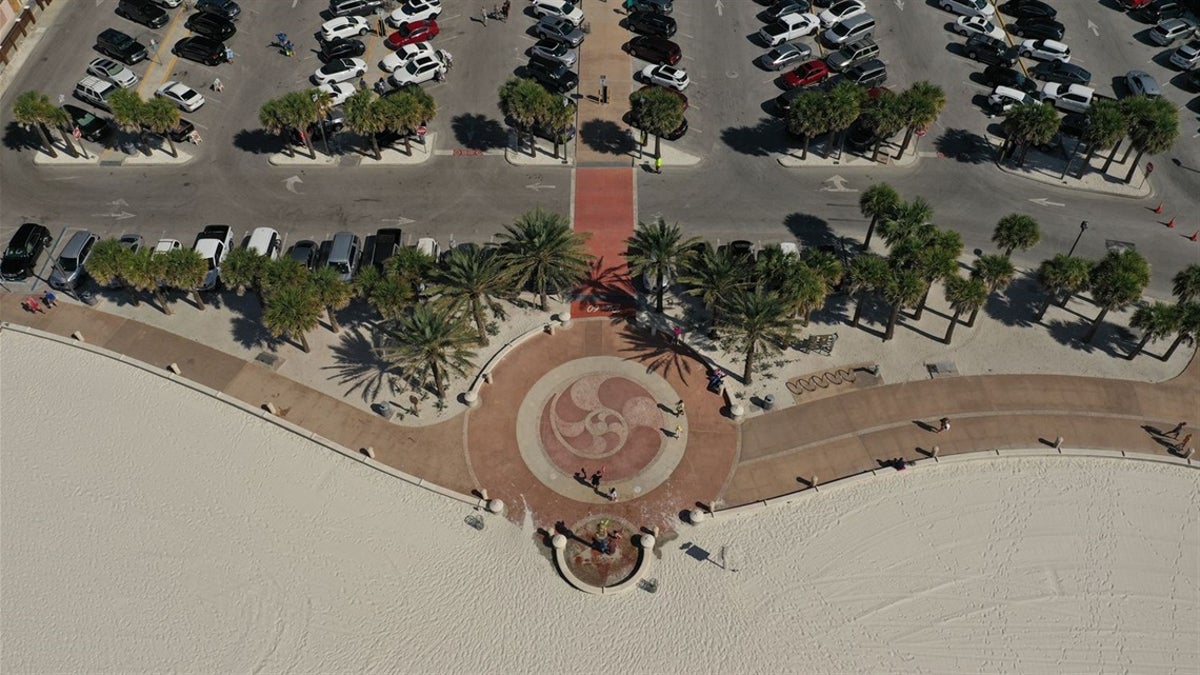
(385, 409)
(769, 402)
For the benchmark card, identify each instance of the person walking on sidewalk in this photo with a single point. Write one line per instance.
(679, 408)
(678, 431)
(658, 164)
(483, 12)
(943, 425)
(612, 494)
(1184, 443)
(1174, 433)
(504, 9)
(596, 480)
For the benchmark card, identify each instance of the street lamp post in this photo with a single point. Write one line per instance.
(1082, 228)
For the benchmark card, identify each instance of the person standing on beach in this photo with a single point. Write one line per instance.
(1174, 433)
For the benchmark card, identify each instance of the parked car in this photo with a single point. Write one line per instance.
(1158, 11)
(1037, 27)
(166, 246)
(1068, 97)
(840, 11)
(415, 10)
(213, 243)
(784, 55)
(344, 48)
(428, 246)
(23, 250)
(1169, 32)
(226, 9)
(1002, 99)
(143, 12)
(967, 7)
(1141, 83)
(1002, 76)
(211, 25)
(419, 70)
(1057, 71)
(182, 131)
(121, 47)
(651, 23)
(344, 251)
(809, 72)
(666, 76)
(401, 57)
(344, 27)
(656, 6)
(654, 49)
(557, 29)
(70, 268)
(852, 54)
(789, 28)
(201, 50)
(978, 25)
(355, 7)
(549, 48)
(868, 74)
(1028, 8)
(1046, 50)
(107, 69)
(183, 96)
(339, 71)
(91, 126)
(413, 32)
(1073, 124)
(305, 252)
(990, 50)
(1187, 56)
(856, 27)
(387, 241)
(265, 241)
(785, 7)
(554, 75)
(560, 8)
(338, 91)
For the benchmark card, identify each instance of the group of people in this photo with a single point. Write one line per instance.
(582, 477)
(498, 12)
(39, 305)
(284, 43)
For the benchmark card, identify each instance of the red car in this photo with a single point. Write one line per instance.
(807, 73)
(412, 33)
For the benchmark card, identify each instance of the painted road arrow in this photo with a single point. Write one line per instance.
(1042, 201)
(538, 186)
(291, 183)
(720, 8)
(836, 184)
(1094, 28)
(116, 216)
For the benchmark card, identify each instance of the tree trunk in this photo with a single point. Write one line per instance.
(545, 302)
(287, 144)
(46, 139)
(658, 290)
(375, 147)
(875, 153)
(950, 328)
(657, 146)
(171, 144)
(1045, 305)
(1087, 161)
(408, 144)
(1111, 156)
(333, 322)
(477, 312)
(921, 305)
(312, 152)
(1140, 346)
(804, 148)
(858, 308)
(303, 341)
(162, 302)
(1024, 152)
(324, 138)
(69, 142)
(133, 298)
(437, 381)
(199, 300)
(1178, 341)
(974, 313)
(1096, 326)
(908, 134)
(747, 370)
(870, 232)
(1133, 167)
(891, 324)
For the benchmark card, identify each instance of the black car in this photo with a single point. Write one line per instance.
(1028, 8)
(143, 12)
(211, 26)
(861, 136)
(305, 253)
(650, 23)
(1073, 125)
(201, 50)
(386, 242)
(1003, 76)
(868, 74)
(23, 250)
(654, 49)
(182, 132)
(987, 49)
(553, 75)
(1039, 28)
(226, 9)
(341, 49)
(1159, 10)
(114, 43)
(1057, 71)
(91, 126)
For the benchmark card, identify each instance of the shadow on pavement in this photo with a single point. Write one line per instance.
(964, 146)
(478, 132)
(659, 354)
(258, 141)
(357, 364)
(607, 137)
(761, 140)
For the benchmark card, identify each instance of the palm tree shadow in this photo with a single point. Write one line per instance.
(1017, 304)
(478, 132)
(811, 231)
(767, 137)
(965, 146)
(249, 333)
(18, 137)
(606, 137)
(258, 141)
(357, 364)
(658, 353)
(607, 283)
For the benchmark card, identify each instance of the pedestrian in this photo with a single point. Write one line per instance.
(628, 5)
(678, 431)
(49, 299)
(677, 332)
(679, 407)
(30, 304)
(483, 11)
(1184, 443)
(153, 45)
(658, 164)
(216, 85)
(582, 476)
(612, 494)
(229, 55)
(596, 480)
(195, 137)
(1174, 433)
(943, 425)
(505, 8)
(439, 75)
(362, 83)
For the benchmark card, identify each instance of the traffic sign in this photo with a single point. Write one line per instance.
(1149, 168)
(921, 131)
(421, 130)
(77, 133)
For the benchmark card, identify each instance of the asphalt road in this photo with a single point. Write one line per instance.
(738, 192)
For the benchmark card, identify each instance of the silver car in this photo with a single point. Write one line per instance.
(1187, 56)
(69, 266)
(549, 48)
(1141, 83)
(560, 29)
(784, 55)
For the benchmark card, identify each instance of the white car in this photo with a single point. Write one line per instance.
(338, 91)
(419, 70)
(978, 25)
(559, 8)
(415, 10)
(213, 244)
(1187, 56)
(400, 58)
(843, 9)
(1002, 99)
(1068, 97)
(107, 69)
(967, 7)
(666, 76)
(183, 96)
(1045, 50)
(344, 27)
(788, 28)
(339, 70)
(265, 241)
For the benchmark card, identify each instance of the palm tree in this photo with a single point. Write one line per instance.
(829, 271)
(1029, 125)
(1188, 329)
(406, 109)
(292, 311)
(241, 268)
(145, 273)
(558, 117)
(996, 272)
(756, 320)
(128, 111)
(161, 116)
(429, 340)
(274, 117)
(411, 266)
(391, 296)
(109, 262)
(866, 274)
(910, 220)
(365, 117)
(1154, 133)
(544, 254)
(525, 101)
(299, 109)
(332, 293)
(1016, 230)
(472, 278)
(903, 288)
(843, 106)
(656, 111)
(657, 249)
(885, 115)
(278, 274)
(1116, 281)
(965, 294)
(1185, 285)
(921, 104)
(185, 269)
(712, 276)
(936, 261)
(1063, 276)
(32, 110)
(801, 286)
(808, 117)
(1132, 109)
(1156, 321)
(878, 201)
(1106, 126)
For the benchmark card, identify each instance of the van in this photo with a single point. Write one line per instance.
(868, 74)
(854, 28)
(94, 90)
(852, 54)
(69, 267)
(343, 254)
(265, 242)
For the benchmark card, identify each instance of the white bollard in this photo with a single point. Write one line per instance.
(78, 336)
(558, 541)
(737, 411)
(936, 451)
(1058, 443)
(270, 407)
(472, 398)
(369, 451)
(174, 368)
(495, 506)
(696, 516)
(813, 483)
(1188, 453)
(483, 495)
(646, 541)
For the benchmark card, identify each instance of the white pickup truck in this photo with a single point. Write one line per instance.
(789, 27)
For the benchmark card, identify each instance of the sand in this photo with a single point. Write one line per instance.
(147, 527)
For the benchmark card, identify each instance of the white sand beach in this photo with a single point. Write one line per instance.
(145, 527)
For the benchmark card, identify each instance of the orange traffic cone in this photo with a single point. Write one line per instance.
(1195, 236)
(1171, 223)
(1158, 209)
